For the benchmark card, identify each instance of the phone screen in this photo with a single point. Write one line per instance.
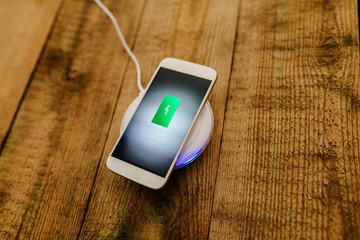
(161, 121)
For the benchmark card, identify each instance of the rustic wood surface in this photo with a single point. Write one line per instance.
(283, 162)
(24, 27)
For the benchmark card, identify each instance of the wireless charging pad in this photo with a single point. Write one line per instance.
(197, 139)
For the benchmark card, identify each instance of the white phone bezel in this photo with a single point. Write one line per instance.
(143, 176)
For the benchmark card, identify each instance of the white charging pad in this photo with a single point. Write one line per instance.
(197, 139)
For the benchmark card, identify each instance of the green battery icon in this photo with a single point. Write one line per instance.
(166, 111)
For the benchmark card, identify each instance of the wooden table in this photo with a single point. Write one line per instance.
(283, 161)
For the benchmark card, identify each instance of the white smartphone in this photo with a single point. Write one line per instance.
(146, 152)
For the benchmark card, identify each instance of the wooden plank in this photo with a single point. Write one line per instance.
(201, 31)
(24, 26)
(51, 156)
(289, 164)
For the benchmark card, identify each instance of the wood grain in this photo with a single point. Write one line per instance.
(52, 153)
(24, 26)
(200, 31)
(283, 162)
(289, 163)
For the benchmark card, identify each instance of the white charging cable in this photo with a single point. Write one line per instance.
(123, 42)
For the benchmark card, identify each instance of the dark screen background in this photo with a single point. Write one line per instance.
(153, 147)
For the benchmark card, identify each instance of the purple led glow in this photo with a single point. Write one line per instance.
(183, 162)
